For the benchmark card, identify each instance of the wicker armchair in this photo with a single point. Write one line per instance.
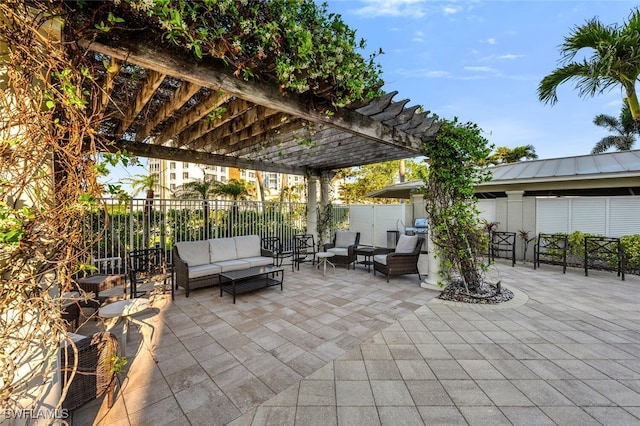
(95, 373)
(344, 247)
(404, 260)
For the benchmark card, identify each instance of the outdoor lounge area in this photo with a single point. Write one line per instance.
(350, 348)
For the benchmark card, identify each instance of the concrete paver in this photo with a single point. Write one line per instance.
(351, 349)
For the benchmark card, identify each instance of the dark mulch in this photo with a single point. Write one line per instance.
(485, 293)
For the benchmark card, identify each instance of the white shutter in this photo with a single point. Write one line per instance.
(624, 216)
(589, 215)
(552, 215)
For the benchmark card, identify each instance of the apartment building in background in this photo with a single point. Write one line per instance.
(174, 173)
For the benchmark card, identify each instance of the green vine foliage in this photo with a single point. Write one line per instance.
(297, 43)
(456, 229)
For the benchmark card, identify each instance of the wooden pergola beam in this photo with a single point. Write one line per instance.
(200, 157)
(217, 78)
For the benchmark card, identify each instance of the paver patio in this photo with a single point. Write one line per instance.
(351, 349)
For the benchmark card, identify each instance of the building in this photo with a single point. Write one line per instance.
(173, 174)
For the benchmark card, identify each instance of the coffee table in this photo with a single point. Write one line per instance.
(246, 280)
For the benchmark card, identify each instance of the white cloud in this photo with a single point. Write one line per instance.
(510, 56)
(480, 69)
(450, 10)
(396, 8)
(490, 41)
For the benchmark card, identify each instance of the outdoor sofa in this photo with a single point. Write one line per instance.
(198, 263)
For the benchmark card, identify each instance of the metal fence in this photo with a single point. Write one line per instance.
(117, 228)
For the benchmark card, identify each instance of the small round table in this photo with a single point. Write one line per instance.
(123, 310)
(323, 259)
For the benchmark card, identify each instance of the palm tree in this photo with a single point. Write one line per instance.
(615, 61)
(141, 183)
(504, 155)
(199, 189)
(146, 183)
(625, 127)
(204, 189)
(236, 189)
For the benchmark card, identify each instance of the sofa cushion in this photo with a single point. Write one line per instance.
(339, 251)
(258, 260)
(247, 246)
(194, 253)
(233, 265)
(406, 243)
(380, 258)
(345, 238)
(204, 270)
(222, 249)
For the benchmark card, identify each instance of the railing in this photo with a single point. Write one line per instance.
(117, 228)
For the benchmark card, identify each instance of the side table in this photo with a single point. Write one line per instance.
(123, 310)
(368, 253)
(323, 259)
(100, 282)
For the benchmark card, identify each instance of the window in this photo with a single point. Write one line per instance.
(185, 165)
(185, 175)
(172, 176)
(172, 187)
(172, 165)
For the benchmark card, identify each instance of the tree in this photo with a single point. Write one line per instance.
(625, 127)
(455, 170)
(236, 189)
(199, 189)
(615, 60)
(365, 179)
(204, 189)
(141, 183)
(504, 155)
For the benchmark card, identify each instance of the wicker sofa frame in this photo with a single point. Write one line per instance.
(94, 375)
(183, 279)
(400, 263)
(350, 258)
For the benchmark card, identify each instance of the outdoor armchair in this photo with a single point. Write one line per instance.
(304, 250)
(275, 247)
(404, 260)
(344, 247)
(95, 374)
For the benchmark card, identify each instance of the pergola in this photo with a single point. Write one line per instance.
(157, 102)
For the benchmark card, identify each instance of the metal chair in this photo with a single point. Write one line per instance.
(275, 246)
(603, 253)
(552, 249)
(503, 245)
(304, 250)
(148, 266)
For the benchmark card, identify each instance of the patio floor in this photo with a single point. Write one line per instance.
(351, 349)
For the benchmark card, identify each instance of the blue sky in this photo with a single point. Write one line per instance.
(482, 61)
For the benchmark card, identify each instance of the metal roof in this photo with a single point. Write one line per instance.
(600, 166)
(594, 168)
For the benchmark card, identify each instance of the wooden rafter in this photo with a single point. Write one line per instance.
(212, 101)
(178, 99)
(233, 109)
(109, 82)
(149, 87)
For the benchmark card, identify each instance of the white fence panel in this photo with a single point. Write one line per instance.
(588, 215)
(552, 215)
(624, 216)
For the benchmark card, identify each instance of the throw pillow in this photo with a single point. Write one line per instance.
(406, 243)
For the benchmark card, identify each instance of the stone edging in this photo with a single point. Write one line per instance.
(519, 299)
